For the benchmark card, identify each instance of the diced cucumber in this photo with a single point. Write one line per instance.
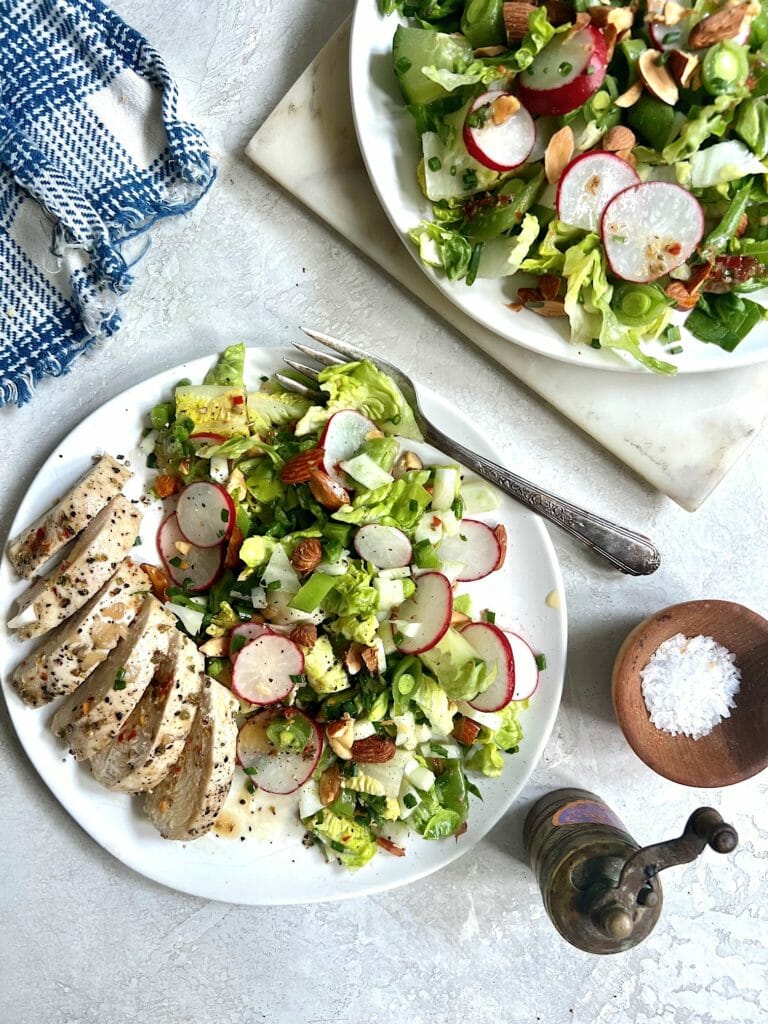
(445, 487)
(365, 471)
(478, 497)
(417, 48)
(421, 778)
(386, 637)
(391, 592)
(188, 617)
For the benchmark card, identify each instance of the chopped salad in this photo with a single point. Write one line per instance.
(615, 152)
(318, 560)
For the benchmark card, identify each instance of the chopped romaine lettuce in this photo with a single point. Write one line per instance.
(345, 838)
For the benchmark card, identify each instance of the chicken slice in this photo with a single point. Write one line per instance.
(94, 714)
(153, 737)
(81, 643)
(86, 568)
(55, 528)
(187, 802)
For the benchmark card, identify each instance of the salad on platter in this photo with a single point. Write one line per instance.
(317, 561)
(614, 153)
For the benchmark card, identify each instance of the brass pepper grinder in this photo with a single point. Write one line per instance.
(600, 889)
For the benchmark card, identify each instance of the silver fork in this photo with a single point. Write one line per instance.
(628, 551)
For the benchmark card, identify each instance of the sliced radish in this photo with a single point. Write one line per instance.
(649, 229)
(503, 146)
(206, 440)
(588, 184)
(384, 546)
(198, 568)
(430, 609)
(343, 436)
(526, 669)
(244, 633)
(267, 766)
(206, 514)
(669, 37)
(563, 76)
(494, 648)
(475, 546)
(263, 670)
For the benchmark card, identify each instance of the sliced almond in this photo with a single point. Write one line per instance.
(674, 13)
(559, 154)
(490, 51)
(459, 618)
(504, 107)
(617, 138)
(549, 286)
(547, 307)
(218, 647)
(682, 66)
(657, 79)
(627, 156)
(341, 737)
(724, 24)
(610, 35)
(630, 97)
(516, 20)
(581, 21)
(620, 17)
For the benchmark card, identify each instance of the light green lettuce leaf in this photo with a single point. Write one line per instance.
(475, 73)
(361, 386)
(443, 248)
(272, 409)
(457, 667)
(433, 701)
(228, 371)
(399, 504)
(349, 840)
(503, 256)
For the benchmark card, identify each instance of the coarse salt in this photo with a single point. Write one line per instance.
(689, 685)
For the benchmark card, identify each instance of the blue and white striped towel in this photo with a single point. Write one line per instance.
(92, 152)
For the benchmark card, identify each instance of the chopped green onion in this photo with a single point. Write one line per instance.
(490, 617)
(541, 662)
(409, 800)
(434, 163)
(565, 68)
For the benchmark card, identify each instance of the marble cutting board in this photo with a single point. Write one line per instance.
(682, 435)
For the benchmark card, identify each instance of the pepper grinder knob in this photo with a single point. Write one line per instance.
(718, 834)
(616, 921)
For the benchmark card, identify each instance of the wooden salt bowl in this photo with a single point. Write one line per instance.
(737, 748)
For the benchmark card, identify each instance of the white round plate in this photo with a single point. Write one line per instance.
(272, 866)
(390, 148)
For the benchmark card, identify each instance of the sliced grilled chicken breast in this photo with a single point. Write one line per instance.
(85, 569)
(187, 802)
(153, 736)
(68, 517)
(81, 643)
(94, 714)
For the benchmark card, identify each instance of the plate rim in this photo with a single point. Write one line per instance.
(64, 792)
(586, 359)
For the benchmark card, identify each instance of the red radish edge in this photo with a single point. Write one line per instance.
(501, 690)
(527, 672)
(297, 767)
(249, 630)
(437, 588)
(167, 534)
(391, 539)
(681, 257)
(209, 521)
(476, 567)
(567, 97)
(332, 456)
(257, 681)
(520, 125)
(632, 179)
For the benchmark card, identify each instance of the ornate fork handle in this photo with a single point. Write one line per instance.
(630, 552)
